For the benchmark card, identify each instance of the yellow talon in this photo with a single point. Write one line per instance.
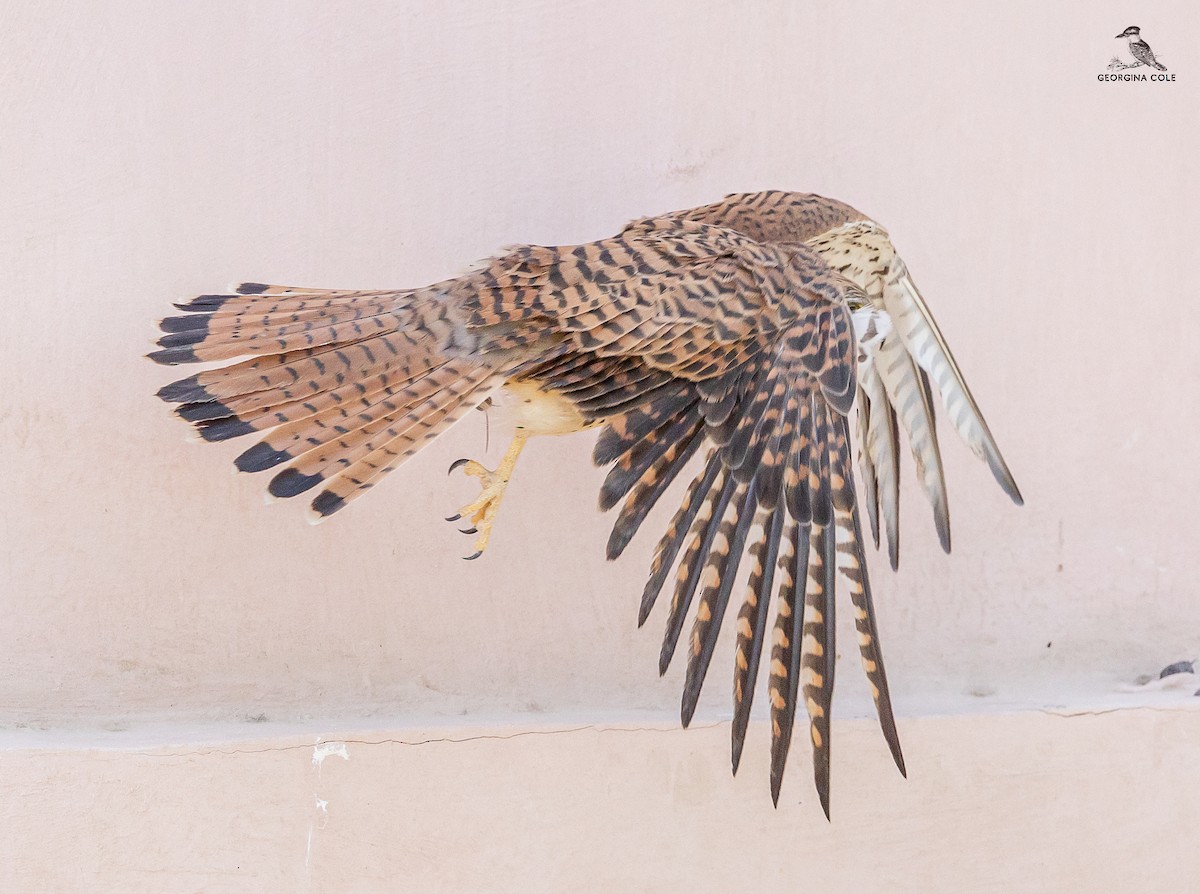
(482, 511)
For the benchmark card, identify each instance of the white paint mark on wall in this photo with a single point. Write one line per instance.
(328, 749)
(321, 751)
(321, 821)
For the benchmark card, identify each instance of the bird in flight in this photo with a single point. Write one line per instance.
(749, 342)
(1139, 49)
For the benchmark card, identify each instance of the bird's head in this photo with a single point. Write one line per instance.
(1131, 31)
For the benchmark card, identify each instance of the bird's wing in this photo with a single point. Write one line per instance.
(1140, 50)
(903, 354)
(686, 338)
(879, 452)
(907, 396)
(920, 334)
(764, 390)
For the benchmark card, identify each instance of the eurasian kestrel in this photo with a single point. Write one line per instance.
(745, 331)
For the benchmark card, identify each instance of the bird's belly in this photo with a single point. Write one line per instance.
(537, 411)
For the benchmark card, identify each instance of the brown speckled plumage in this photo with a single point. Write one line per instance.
(744, 331)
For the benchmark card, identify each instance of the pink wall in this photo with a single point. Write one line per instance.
(1032, 803)
(154, 151)
(151, 605)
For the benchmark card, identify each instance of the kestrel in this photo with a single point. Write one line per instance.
(743, 332)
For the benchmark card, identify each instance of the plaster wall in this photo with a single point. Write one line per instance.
(155, 151)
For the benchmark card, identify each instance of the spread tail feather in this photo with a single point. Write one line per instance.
(345, 385)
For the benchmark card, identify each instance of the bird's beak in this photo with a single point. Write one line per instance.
(1122, 34)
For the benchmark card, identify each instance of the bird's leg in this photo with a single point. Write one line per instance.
(482, 512)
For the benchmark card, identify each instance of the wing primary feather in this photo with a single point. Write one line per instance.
(648, 491)
(668, 547)
(881, 445)
(723, 433)
(690, 571)
(852, 563)
(767, 432)
(908, 396)
(752, 620)
(719, 574)
(644, 454)
(772, 463)
(785, 678)
(892, 519)
(922, 335)
(797, 492)
(928, 389)
(738, 452)
(818, 647)
(818, 476)
(867, 464)
(623, 432)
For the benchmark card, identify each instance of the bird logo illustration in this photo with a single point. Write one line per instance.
(1139, 49)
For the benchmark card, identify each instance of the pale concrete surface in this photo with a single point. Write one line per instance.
(1030, 802)
(154, 151)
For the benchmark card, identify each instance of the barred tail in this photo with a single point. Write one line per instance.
(343, 385)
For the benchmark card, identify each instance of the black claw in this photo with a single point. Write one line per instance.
(470, 530)
(453, 518)
(457, 464)
(473, 556)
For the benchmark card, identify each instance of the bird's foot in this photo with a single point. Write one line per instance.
(480, 514)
